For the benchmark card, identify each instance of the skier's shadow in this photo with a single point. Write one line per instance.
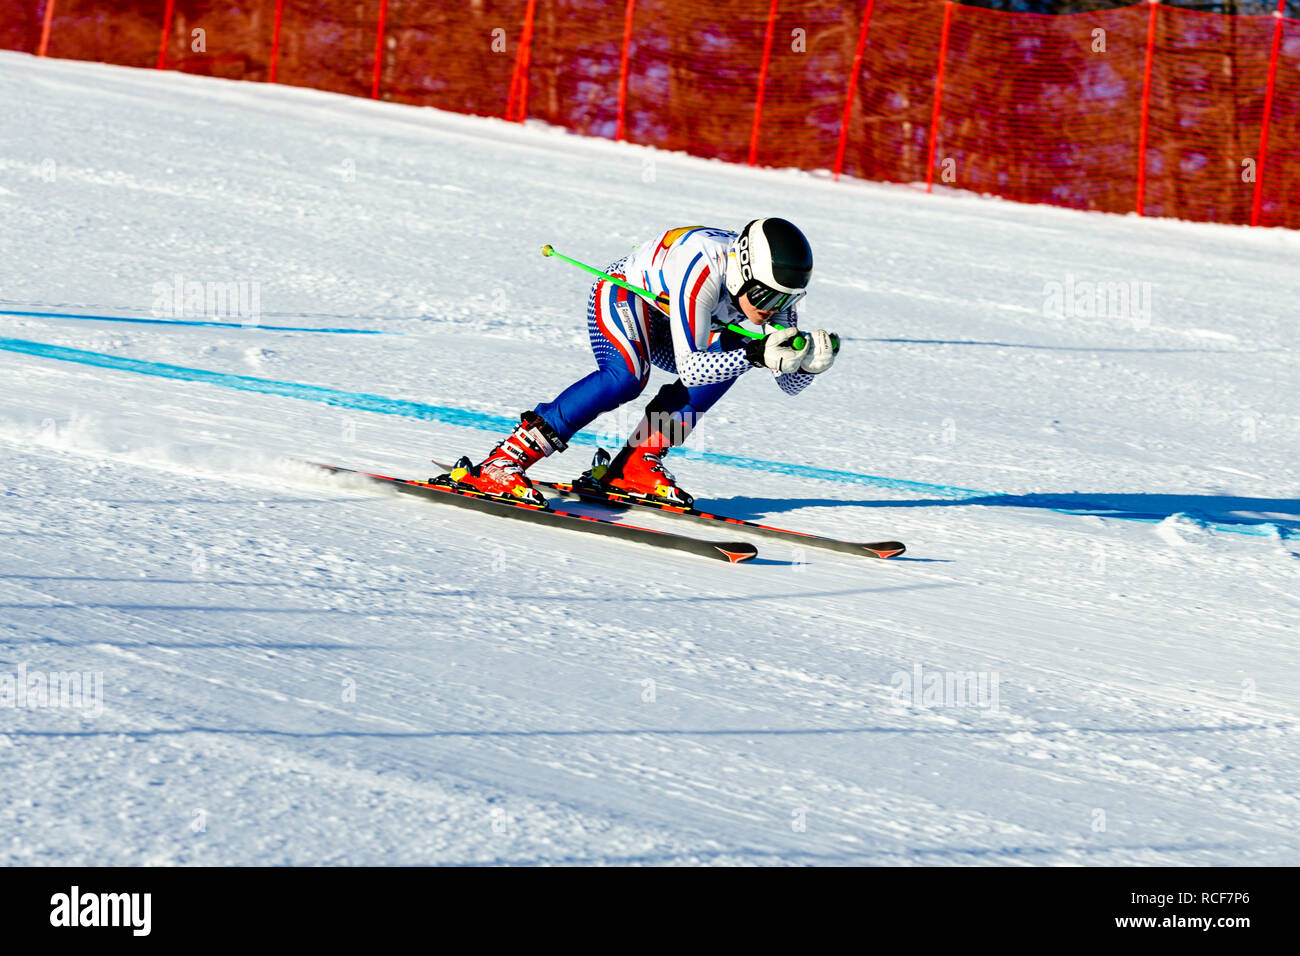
(1284, 513)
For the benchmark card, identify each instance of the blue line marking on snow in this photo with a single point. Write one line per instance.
(450, 415)
(193, 322)
(248, 383)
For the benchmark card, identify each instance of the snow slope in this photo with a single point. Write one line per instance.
(1102, 513)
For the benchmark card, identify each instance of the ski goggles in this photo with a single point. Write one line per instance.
(771, 300)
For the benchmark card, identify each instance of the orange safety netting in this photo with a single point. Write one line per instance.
(1050, 109)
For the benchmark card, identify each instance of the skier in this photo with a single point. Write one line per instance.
(704, 279)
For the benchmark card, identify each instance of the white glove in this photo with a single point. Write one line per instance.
(819, 355)
(775, 351)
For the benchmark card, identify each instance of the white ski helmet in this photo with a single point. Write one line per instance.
(771, 261)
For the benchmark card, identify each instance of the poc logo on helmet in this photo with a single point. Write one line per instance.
(742, 253)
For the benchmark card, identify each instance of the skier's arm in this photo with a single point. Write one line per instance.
(794, 382)
(698, 286)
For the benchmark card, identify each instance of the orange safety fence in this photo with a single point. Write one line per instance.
(1034, 108)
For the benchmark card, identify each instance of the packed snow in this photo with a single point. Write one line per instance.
(1086, 428)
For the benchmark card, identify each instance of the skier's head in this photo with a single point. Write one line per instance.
(771, 262)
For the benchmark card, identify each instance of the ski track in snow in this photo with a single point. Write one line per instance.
(304, 669)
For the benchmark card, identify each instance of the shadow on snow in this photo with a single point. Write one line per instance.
(1282, 513)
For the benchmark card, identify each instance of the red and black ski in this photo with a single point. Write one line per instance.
(874, 549)
(569, 489)
(733, 551)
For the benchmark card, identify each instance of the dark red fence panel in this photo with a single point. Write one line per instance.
(812, 50)
(1280, 183)
(328, 45)
(227, 38)
(125, 32)
(453, 56)
(888, 132)
(20, 24)
(1044, 109)
(574, 65)
(1207, 104)
(1053, 109)
(693, 75)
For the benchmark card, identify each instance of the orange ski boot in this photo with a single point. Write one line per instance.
(501, 473)
(638, 470)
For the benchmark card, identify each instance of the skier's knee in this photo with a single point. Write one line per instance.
(625, 388)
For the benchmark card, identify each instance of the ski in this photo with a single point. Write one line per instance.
(874, 549)
(569, 489)
(735, 552)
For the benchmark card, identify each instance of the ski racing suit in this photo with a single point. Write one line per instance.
(684, 334)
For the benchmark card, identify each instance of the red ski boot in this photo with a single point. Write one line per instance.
(639, 471)
(501, 474)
